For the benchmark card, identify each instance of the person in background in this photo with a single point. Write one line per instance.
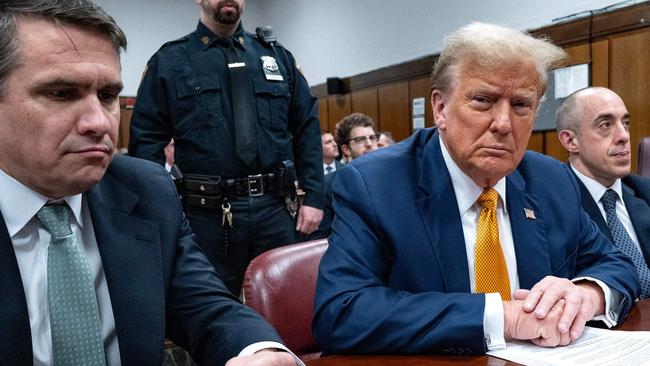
(385, 139)
(473, 246)
(245, 125)
(593, 125)
(330, 153)
(98, 262)
(356, 135)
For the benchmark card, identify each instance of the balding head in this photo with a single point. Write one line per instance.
(593, 126)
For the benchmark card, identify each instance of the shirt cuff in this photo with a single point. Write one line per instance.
(612, 301)
(493, 322)
(256, 347)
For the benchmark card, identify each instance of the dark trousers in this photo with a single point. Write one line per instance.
(259, 224)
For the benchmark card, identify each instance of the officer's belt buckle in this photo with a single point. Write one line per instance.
(255, 185)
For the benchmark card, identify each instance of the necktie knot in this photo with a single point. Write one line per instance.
(488, 199)
(609, 199)
(225, 42)
(329, 169)
(56, 219)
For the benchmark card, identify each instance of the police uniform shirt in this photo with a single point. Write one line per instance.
(185, 94)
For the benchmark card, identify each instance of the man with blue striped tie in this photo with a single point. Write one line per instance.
(594, 127)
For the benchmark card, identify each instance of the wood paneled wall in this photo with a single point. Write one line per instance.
(388, 105)
(616, 43)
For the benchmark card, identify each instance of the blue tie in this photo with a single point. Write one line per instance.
(624, 242)
(328, 169)
(74, 315)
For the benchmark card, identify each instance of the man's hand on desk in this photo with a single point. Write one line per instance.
(266, 357)
(521, 325)
(581, 302)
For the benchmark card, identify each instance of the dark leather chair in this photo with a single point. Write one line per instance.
(644, 157)
(280, 285)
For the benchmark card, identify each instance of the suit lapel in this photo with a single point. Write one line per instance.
(131, 258)
(439, 211)
(591, 207)
(528, 232)
(639, 213)
(15, 336)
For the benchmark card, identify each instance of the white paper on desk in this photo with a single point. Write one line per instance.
(596, 347)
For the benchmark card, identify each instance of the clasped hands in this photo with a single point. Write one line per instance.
(552, 313)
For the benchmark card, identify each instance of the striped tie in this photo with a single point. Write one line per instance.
(624, 242)
(490, 265)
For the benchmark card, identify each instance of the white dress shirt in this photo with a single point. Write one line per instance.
(467, 192)
(597, 190)
(333, 166)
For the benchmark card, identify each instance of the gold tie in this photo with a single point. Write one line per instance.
(490, 265)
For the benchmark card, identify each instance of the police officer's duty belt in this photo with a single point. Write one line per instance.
(208, 191)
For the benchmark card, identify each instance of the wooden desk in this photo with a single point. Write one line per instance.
(639, 319)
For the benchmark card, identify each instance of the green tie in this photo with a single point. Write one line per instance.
(74, 315)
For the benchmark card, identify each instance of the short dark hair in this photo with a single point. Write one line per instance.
(347, 124)
(80, 13)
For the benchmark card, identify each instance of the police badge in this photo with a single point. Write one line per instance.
(271, 69)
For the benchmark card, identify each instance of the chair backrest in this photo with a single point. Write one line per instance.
(644, 157)
(280, 285)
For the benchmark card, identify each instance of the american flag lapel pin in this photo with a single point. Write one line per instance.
(530, 214)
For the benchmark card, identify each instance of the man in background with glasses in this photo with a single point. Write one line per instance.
(356, 135)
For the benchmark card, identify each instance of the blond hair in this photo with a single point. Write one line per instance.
(490, 46)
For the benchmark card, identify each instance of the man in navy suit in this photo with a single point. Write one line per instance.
(115, 220)
(594, 127)
(401, 272)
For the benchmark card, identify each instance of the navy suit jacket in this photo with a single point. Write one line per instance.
(160, 283)
(636, 195)
(394, 278)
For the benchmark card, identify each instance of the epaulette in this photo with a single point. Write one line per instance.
(179, 40)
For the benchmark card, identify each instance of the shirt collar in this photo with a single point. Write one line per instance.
(597, 190)
(208, 38)
(19, 203)
(467, 192)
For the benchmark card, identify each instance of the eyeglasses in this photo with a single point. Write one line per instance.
(363, 139)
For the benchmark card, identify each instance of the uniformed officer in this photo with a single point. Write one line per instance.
(241, 114)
